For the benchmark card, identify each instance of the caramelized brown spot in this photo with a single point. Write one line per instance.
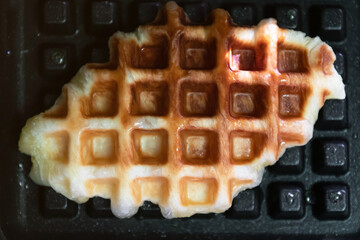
(155, 189)
(292, 59)
(60, 109)
(291, 100)
(248, 100)
(260, 50)
(246, 146)
(150, 98)
(150, 146)
(196, 54)
(198, 191)
(198, 99)
(99, 147)
(199, 147)
(325, 94)
(57, 146)
(327, 59)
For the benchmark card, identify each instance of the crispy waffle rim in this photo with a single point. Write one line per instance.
(138, 128)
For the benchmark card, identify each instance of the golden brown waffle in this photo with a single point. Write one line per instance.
(185, 116)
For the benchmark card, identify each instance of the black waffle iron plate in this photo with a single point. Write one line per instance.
(313, 191)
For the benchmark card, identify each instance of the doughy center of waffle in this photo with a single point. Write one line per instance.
(103, 147)
(242, 148)
(150, 145)
(243, 103)
(196, 147)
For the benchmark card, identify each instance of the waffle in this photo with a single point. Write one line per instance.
(185, 116)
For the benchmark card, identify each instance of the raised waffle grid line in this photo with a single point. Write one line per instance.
(74, 156)
(141, 122)
(223, 158)
(271, 66)
(292, 127)
(109, 173)
(122, 167)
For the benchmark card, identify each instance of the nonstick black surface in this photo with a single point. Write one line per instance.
(311, 193)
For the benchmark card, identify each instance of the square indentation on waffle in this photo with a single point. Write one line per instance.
(57, 146)
(242, 59)
(198, 99)
(150, 146)
(248, 100)
(245, 146)
(198, 191)
(103, 100)
(196, 54)
(199, 147)
(291, 59)
(150, 98)
(291, 100)
(154, 189)
(246, 57)
(153, 56)
(99, 147)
